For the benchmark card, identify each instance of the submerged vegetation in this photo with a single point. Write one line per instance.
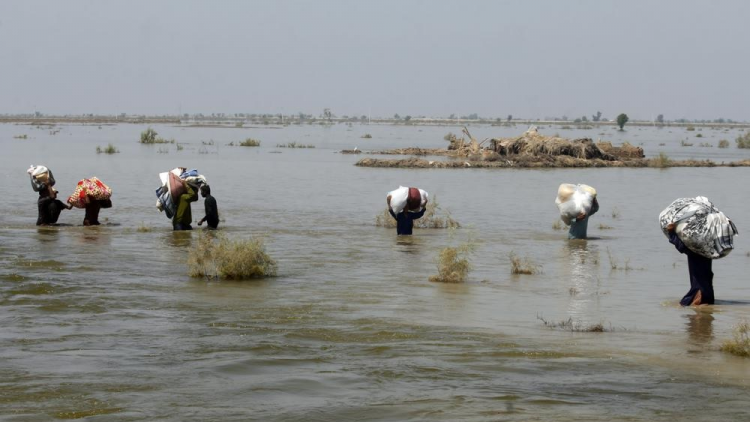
(523, 265)
(740, 344)
(434, 218)
(723, 143)
(574, 326)
(661, 161)
(24, 136)
(743, 141)
(218, 257)
(150, 136)
(109, 149)
(453, 264)
(250, 142)
(294, 145)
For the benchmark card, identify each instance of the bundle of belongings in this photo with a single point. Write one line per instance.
(700, 225)
(41, 177)
(572, 200)
(171, 188)
(412, 199)
(91, 189)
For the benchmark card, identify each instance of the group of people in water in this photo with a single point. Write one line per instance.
(699, 267)
(49, 207)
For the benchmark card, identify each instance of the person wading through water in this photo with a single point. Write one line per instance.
(405, 219)
(701, 277)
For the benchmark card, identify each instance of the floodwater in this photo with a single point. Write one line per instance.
(104, 323)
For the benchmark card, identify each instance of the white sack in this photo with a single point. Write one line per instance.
(574, 199)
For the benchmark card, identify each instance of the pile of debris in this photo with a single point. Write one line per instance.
(533, 143)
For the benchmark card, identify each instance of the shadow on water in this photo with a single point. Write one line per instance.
(408, 244)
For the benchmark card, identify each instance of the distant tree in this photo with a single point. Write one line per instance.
(407, 118)
(660, 119)
(622, 119)
(452, 116)
(363, 118)
(597, 117)
(584, 119)
(473, 116)
(327, 114)
(510, 117)
(577, 121)
(396, 116)
(564, 118)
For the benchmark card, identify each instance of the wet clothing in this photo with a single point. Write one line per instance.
(92, 213)
(701, 276)
(578, 229)
(405, 221)
(212, 212)
(49, 208)
(184, 216)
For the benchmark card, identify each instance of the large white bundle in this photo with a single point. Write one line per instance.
(574, 199)
(400, 196)
(700, 225)
(37, 170)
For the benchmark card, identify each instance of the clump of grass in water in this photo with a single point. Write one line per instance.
(662, 161)
(723, 143)
(615, 213)
(557, 225)
(180, 147)
(143, 228)
(150, 136)
(743, 141)
(24, 136)
(250, 142)
(453, 264)
(218, 257)
(740, 345)
(523, 265)
(294, 145)
(432, 218)
(367, 136)
(574, 326)
(110, 149)
(605, 227)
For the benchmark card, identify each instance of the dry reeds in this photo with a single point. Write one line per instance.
(723, 143)
(557, 225)
(740, 344)
(453, 264)
(143, 228)
(434, 218)
(523, 265)
(250, 142)
(661, 162)
(218, 257)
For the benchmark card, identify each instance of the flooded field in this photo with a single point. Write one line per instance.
(104, 323)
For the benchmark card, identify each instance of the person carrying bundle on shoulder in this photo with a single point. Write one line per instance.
(409, 208)
(699, 230)
(183, 217)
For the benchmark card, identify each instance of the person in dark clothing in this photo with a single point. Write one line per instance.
(405, 219)
(184, 216)
(48, 206)
(92, 211)
(212, 212)
(701, 277)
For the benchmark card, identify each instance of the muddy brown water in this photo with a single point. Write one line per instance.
(104, 323)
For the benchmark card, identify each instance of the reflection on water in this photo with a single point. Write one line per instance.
(699, 325)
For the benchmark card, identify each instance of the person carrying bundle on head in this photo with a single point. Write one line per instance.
(48, 206)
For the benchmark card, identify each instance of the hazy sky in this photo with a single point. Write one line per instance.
(527, 58)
